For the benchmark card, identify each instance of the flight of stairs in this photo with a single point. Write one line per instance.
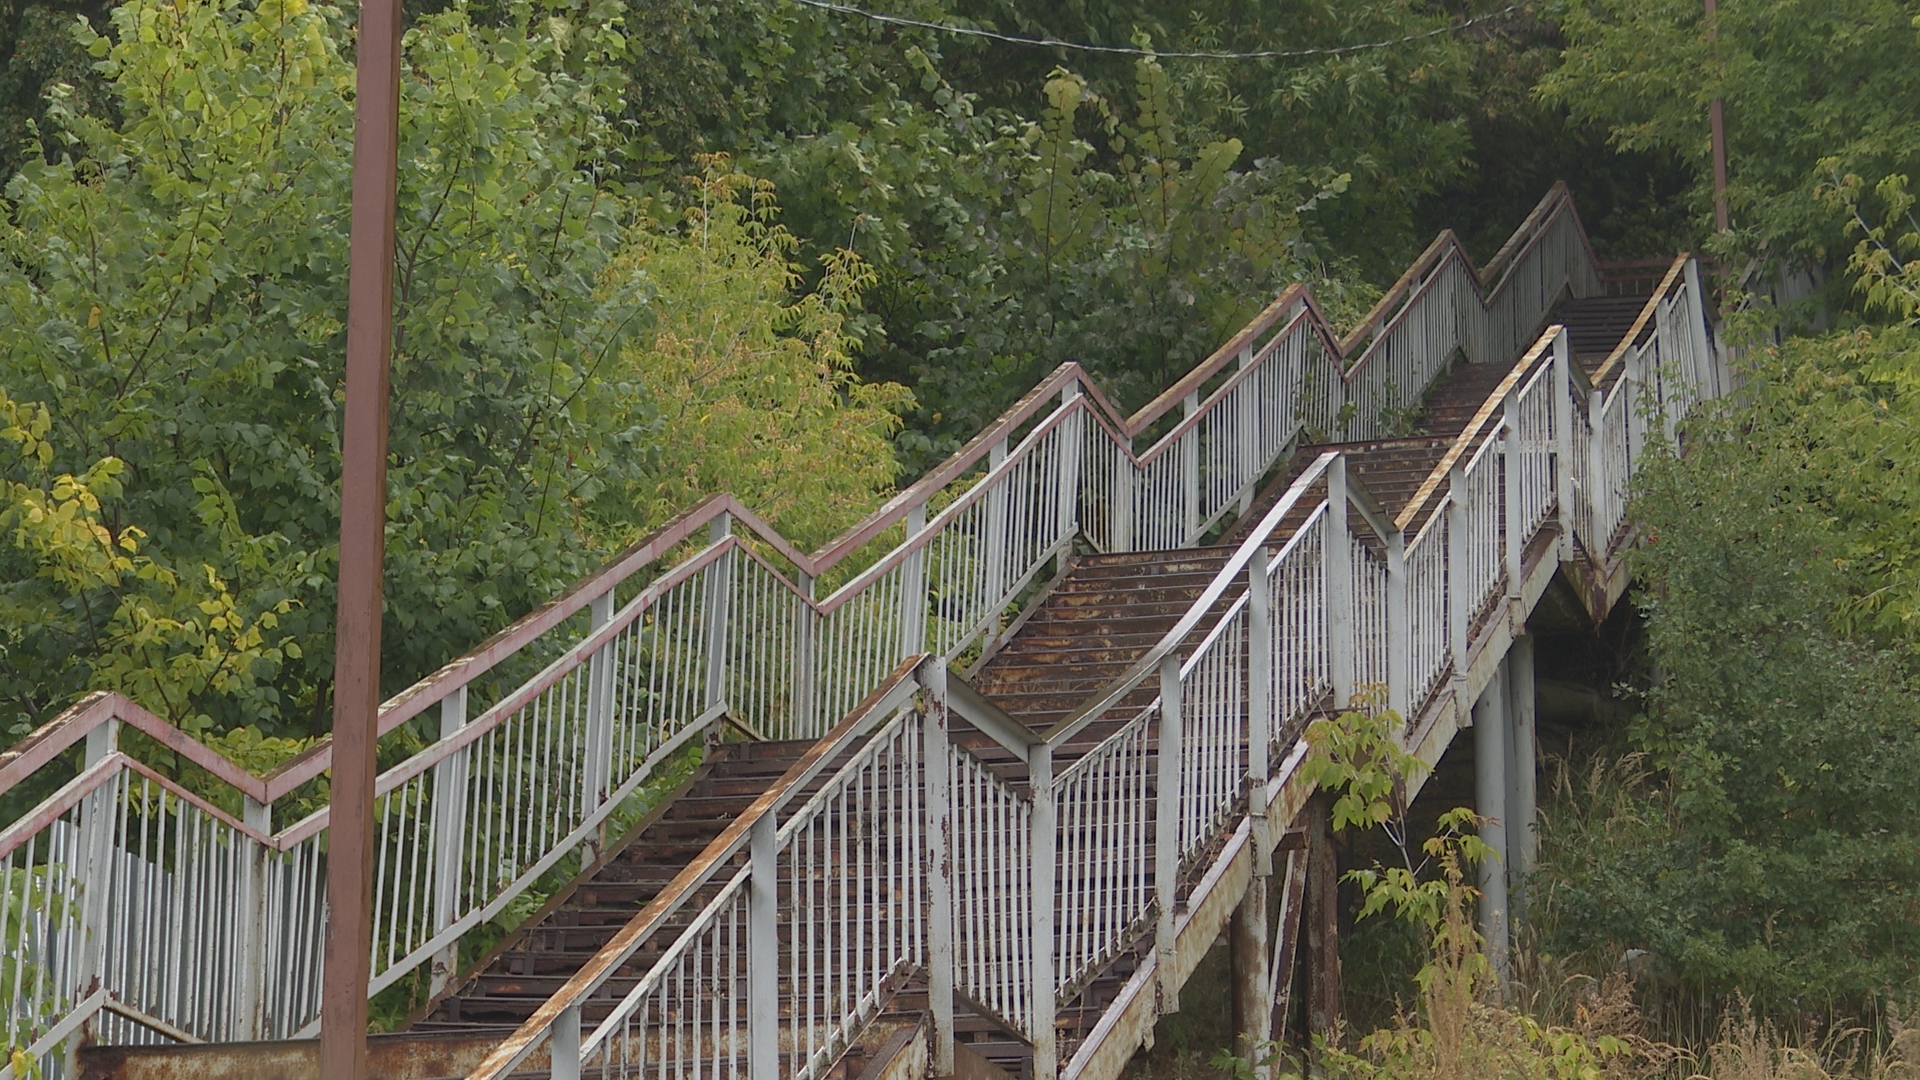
(1096, 621)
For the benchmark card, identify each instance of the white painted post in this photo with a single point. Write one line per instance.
(1490, 749)
(913, 591)
(597, 767)
(1563, 463)
(1512, 458)
(1599, 484)
(1457, 605)
(763, 951)
(1522, 780)
(937, 770)
(1399, 628)
(1338, 558)
(1697, 323)
(718, 601)
(995, 541)
(1072, 449)
(93, 867)
(565, 1047)
(1166, 830)
(1043, 839)
(1259, 706)
(449, 836)
(1126, 481)
(250, 954)
(1246, 435)
(1190, 474)
(806, 623)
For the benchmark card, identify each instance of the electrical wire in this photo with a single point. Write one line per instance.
(1128, 50)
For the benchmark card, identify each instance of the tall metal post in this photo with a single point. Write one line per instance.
(912, 632)
(449, 835)
(596, 771)
(1072, 449)
(1717, 125)
(763, 951)
(1458, 609)
(1190, 475)
(996, 541)
(937, 769)
(1246, 440)
(1522, 777)
(1490, 750)
(250, 974)
(1563, 463)
(347, 951)
(805, 625)
(1399, 628)
(1166, 830)
(1043, 841)
(1253, 988)
(719, 593)
(1338, 556)
(1512, 471)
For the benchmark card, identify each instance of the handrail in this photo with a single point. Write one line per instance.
(458, 673)
(1471, 433)
(514, 1050)
(1123, 684)
(1640, 321)
(1064, 475)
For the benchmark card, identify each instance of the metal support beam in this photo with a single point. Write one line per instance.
(717, 602)
(1252, 994)
(913, 591)
(347, 951)
(937, 770)
(1490, 750)
(449, 836)
(1322, 919)
(806, 622)
(1286, 938)
(1338, 556)
(763, 951)
(1166, 830)
(1043, 842)
(1522, 776)
(1190, 475)
(1072, 449)
(1563, 463)
(597, 766)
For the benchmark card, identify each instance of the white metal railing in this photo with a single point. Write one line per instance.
(1031, 892)
(545, 730)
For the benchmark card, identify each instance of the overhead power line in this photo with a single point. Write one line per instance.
(1129, 50)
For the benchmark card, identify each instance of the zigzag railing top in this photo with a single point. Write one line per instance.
(1330, 611)
(1050, 475)
(1295, 302)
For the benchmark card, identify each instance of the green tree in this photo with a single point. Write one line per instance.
(172, 289)
(1802, 81)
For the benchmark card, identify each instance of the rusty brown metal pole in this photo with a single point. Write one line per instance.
(348, 949)
(1717, 122)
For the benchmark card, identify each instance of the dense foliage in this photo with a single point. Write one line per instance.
(171, 299)
(1803, 81)
(1772, 851)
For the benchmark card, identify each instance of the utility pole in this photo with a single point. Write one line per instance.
(1717, 119)
(348, 949)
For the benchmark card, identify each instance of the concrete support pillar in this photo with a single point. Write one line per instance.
(1522, 843)
(1491, 746)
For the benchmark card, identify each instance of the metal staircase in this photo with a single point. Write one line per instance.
(926, 789)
